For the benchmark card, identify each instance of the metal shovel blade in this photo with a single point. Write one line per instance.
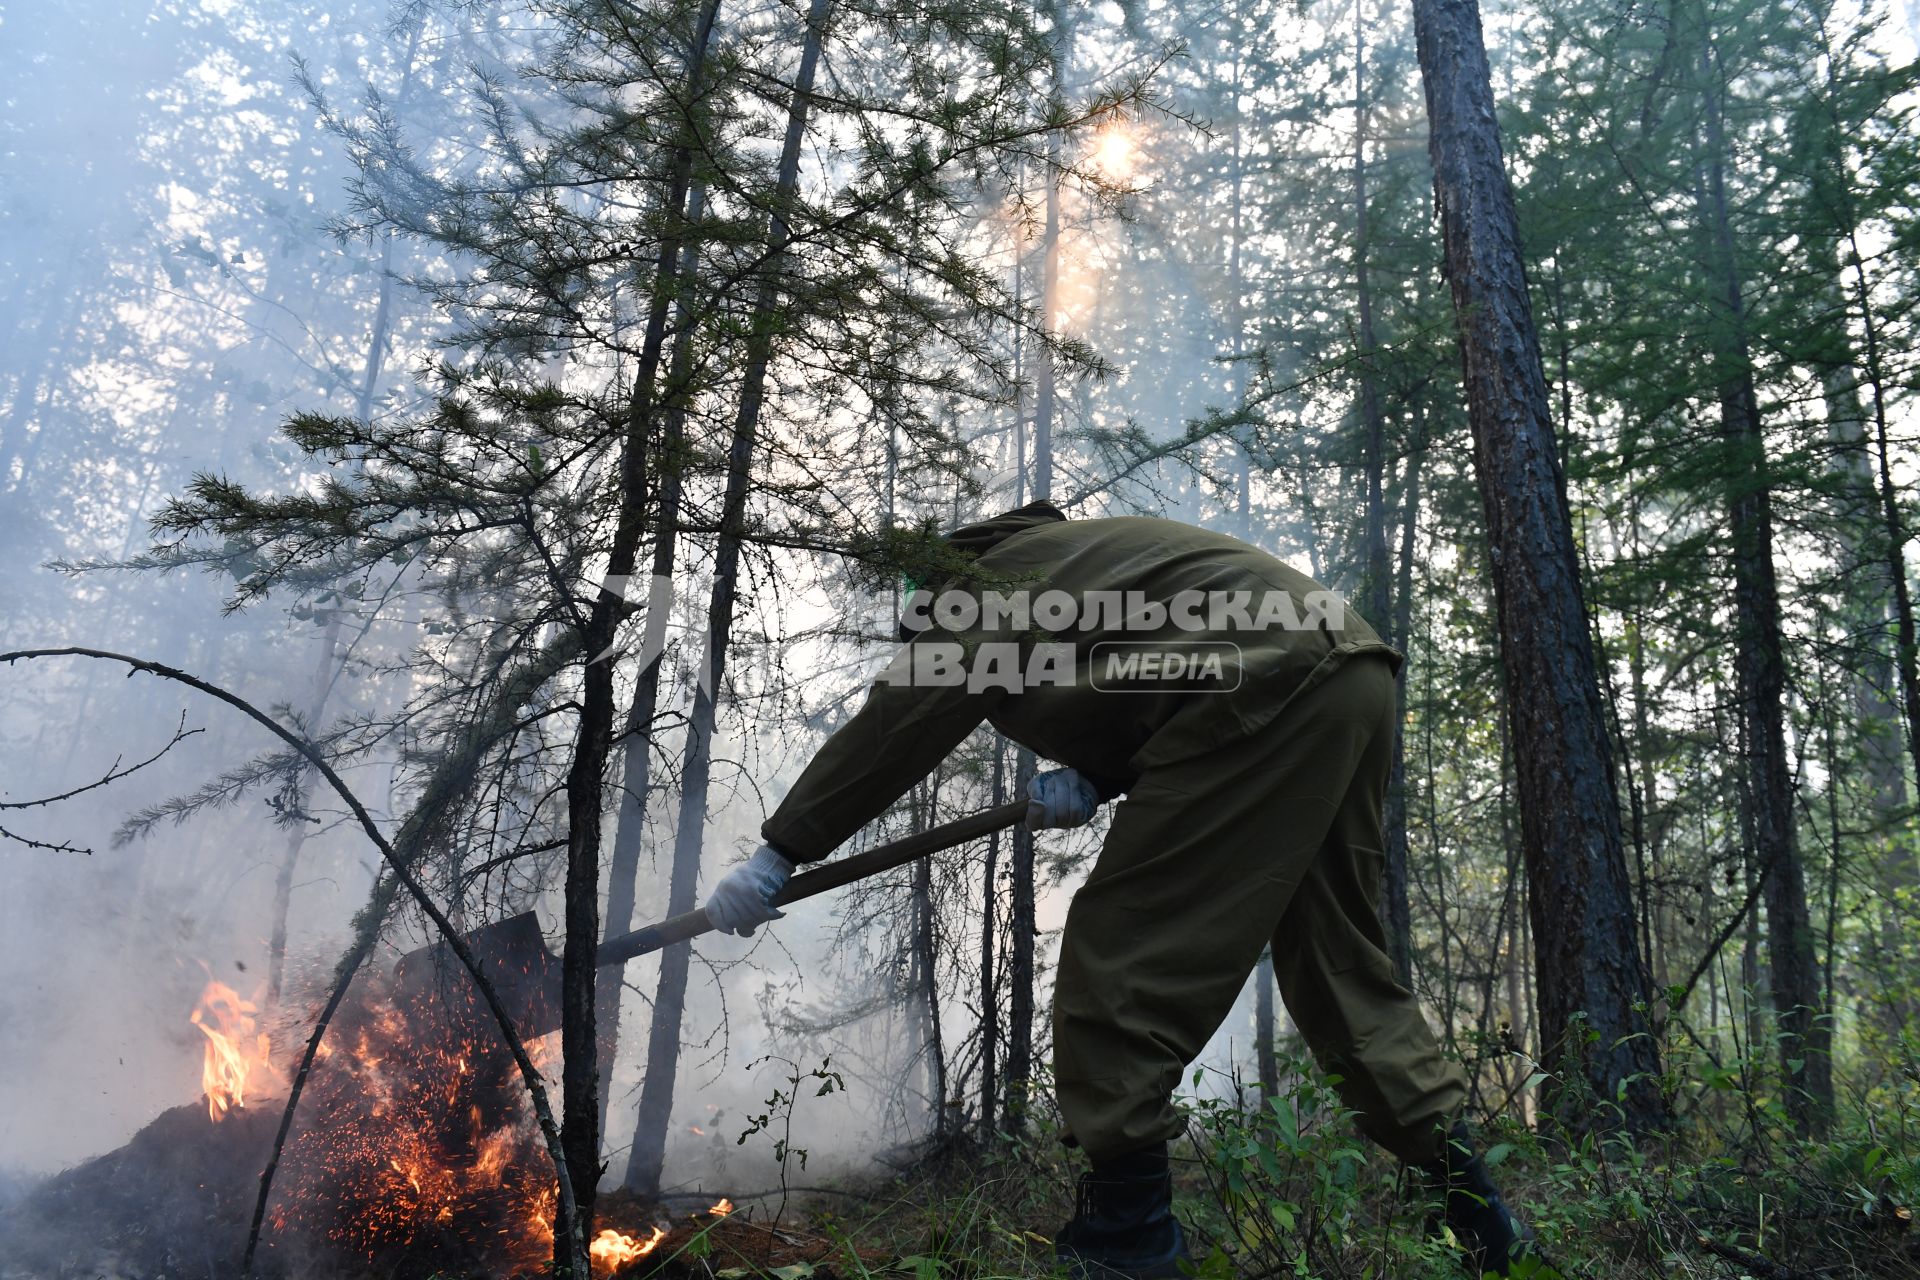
(513, 955)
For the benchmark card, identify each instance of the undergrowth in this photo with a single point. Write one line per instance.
(1283, 1186)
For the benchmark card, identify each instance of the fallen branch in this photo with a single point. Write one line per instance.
(1753, 1263)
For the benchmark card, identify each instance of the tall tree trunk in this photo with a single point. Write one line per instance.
(1236, 289)
(585, 792)
(1045, 392)
(1899, 865)
(1582, 907)
(1515, 1038)
(1871, 501)
(1759, 656)
(1265, 1029)
(1019, 976)
(1907, 638)
(636, 764)
(1836, 847)
(1858, 518)
(298, 827)
(675, 264)
(989, 992)
(1395, 912)
(1021, 927)
(1394, 891)
(1870, 517)
(669, 1005)
(586, 777)
(1509, 898)
(1436, 901)
(925, 971)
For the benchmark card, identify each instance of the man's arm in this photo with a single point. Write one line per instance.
(902, 733)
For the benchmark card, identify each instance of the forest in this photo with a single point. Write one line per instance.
(463, 461)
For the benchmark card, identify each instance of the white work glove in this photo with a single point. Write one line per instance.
(743, 900)
(1060, 798)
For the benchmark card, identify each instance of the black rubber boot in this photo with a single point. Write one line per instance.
(1123, 1226)
(1497, 1243)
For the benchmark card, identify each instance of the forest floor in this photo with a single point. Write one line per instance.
(1287, 1189)
(1815, 1211)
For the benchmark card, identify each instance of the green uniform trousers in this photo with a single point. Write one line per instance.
(1273, 839)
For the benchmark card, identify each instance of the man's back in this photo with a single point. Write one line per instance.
(1066, 636)
(1151, 601)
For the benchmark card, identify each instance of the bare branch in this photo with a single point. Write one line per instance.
(113, 774)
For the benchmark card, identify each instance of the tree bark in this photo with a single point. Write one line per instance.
(989, 991)
(1876, 528)
(1589, 968)
(1045, 393)
(1869, 515)
(1394, 891)
(1859, 519)
(674, 267)
(1759, 655)
(1265, 1029)
(1020, 945)
(1021, 926)
(926, 972)
(586, 778)
(1906, 637)
(1396, 914)
(648, 1157)
(636, 765)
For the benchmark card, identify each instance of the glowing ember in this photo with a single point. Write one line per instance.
(611, 1250)
(234, 1047)
(496, 1150)
(722, 1209)
(414, 1136)
(540, 1214)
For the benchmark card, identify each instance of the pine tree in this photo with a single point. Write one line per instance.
(1591, 975)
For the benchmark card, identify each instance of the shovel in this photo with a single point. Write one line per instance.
(513, 952)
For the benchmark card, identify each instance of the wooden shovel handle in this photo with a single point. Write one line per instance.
(831, 875)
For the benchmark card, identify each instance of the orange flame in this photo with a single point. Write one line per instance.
(540, 1214)
(234, 1048)
(495, 1151)
(611, 1250)
(722, 1209)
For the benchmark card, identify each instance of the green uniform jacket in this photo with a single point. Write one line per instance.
(905, 729)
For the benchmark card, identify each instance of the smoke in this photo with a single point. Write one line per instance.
(168, 308)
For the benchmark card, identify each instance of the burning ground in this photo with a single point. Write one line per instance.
(413, 1154)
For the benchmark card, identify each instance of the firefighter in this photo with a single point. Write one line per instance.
(1247, 717)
